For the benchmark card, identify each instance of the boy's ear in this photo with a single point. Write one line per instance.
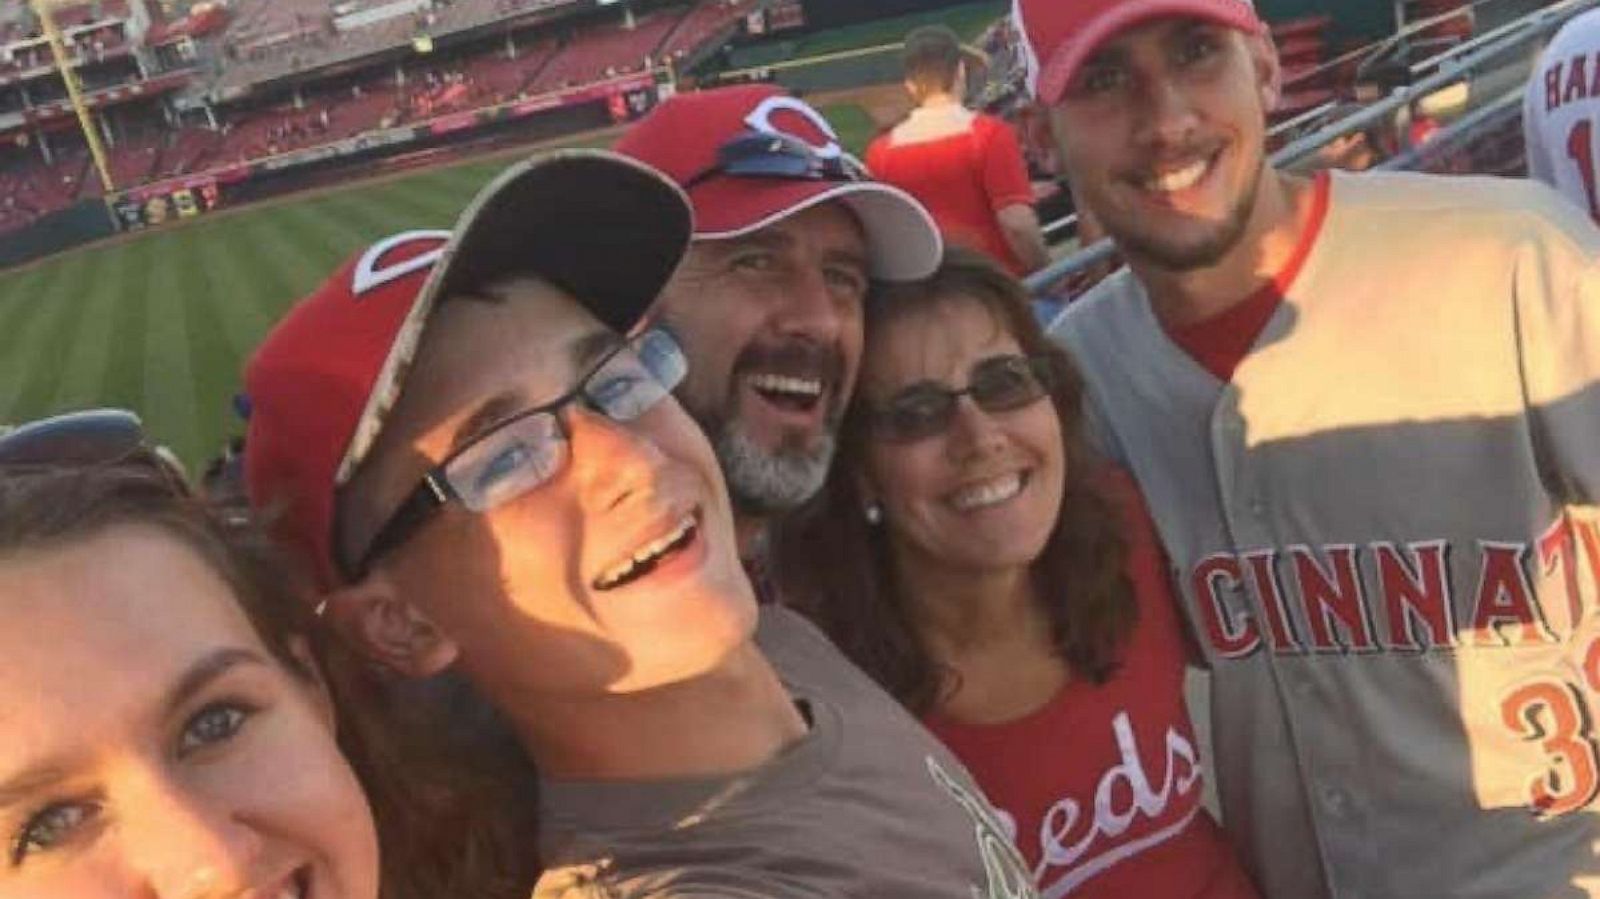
(386, 628)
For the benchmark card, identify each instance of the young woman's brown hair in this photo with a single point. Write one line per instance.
(829, 563)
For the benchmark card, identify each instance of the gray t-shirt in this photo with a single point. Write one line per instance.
(866, 804)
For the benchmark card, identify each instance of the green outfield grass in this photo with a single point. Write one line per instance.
(161, 322)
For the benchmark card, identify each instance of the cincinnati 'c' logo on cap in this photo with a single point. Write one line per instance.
(820, 136)
(375, 268)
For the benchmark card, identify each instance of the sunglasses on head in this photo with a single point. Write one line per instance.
(531, 448)
(757, 154)
(87, 438)
(997, 384)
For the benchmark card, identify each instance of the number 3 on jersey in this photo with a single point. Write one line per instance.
(1556, 715)
(1580, 149)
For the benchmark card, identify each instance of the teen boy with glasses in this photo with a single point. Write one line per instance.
(489, 474)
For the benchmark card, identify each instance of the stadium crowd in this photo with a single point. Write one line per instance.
(711, 516)
(346, 83)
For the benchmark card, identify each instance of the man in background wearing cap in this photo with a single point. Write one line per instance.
(789, 233)
(1363, 410)
(966, 167)
(489, 476)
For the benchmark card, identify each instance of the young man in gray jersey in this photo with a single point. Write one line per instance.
(473, 444)
(1363, 410)
(789, 233)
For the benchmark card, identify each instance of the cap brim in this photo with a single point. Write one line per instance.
(1058, 71)
(606, 229)
(903, 243)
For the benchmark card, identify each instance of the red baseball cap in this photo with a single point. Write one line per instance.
(1058, 35)
(602, 227)
(683, 136)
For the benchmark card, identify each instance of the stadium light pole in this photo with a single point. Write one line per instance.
(58, 50)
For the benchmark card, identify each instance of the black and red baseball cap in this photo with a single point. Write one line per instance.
(603, 228)
(1057, 36)
(728, 148)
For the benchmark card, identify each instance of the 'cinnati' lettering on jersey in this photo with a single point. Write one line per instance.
(1377, 597)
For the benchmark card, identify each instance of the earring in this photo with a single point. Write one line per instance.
(874, 514)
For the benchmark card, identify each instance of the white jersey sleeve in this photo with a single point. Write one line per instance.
(1561, 113)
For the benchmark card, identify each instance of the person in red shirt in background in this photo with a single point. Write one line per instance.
(965, 167)
(1007, 587)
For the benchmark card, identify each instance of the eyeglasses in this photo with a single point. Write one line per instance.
(997, 384)
(530, 448)
(87, 437)
(756, 154)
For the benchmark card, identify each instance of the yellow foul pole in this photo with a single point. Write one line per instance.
(69, 76)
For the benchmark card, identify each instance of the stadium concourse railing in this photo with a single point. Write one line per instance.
(1510, 45)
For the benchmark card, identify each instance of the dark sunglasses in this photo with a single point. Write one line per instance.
(90, 437)
(997, 384)
(531, 447)
(756, 154)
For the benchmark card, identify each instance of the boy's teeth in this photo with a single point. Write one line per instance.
(645, 554)
(784, 384)
(657, 547)
(988, 494)
(1182, 179)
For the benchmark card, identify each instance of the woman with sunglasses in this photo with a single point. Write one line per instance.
(1006, 587)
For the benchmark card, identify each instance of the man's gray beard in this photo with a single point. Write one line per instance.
(762, 482)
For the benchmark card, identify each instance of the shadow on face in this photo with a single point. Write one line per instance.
(610, 569)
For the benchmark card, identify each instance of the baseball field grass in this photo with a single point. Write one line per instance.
(161, 322)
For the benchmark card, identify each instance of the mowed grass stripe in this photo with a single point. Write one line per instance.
(122, 380)
(369, 215)
(236, 275)
(86, 354)
(169, 405)
(23, 303)
(426, 203)
(217, 343)
(264, 269)
(301, 251)
(42, 356)
(337, 235)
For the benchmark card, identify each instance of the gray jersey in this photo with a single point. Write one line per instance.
(867, 805)
(1381, 534)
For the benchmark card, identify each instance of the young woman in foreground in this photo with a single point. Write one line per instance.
(1008, 588)
(164, 731)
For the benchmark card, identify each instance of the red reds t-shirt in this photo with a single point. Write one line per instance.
(1103, 784)
(963, 179)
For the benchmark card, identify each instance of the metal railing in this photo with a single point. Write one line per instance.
(1450, 67)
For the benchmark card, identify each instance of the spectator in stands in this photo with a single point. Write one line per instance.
(789, 235)
(1559, 110)
(489, 474)
(1006, 585)
(965, 166)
